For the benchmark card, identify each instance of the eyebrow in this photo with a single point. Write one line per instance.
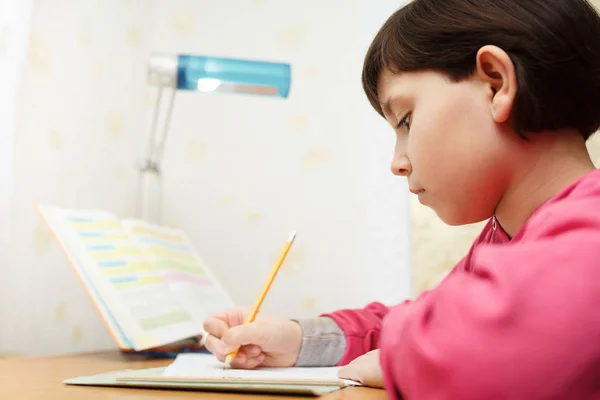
(387, 106)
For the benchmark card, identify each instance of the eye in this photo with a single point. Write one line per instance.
(404, 122)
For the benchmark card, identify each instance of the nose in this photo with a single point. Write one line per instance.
(401, 165)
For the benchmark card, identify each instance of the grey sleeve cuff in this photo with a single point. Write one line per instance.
(323, 343)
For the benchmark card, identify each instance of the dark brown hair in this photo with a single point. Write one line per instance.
(553, 44)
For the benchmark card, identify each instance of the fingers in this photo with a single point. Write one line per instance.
(227, 333)
(248, 357)
(364, 369)
(253, 333)
(215, 326)
(219, 323)
(251, 350)
(233, 316)
(216, 346)
(244, 362)
(350, 373)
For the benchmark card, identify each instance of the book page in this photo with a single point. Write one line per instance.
(177, 264)
(135, 302)
(207, 366)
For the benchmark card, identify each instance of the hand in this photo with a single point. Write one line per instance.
(365, 369)
(267, 342)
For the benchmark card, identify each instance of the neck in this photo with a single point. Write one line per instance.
(559, 158)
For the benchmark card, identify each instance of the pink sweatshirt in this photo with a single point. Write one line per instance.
(515, 319)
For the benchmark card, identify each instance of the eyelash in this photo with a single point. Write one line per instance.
(404, 122)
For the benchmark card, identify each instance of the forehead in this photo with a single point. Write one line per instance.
(401, 87)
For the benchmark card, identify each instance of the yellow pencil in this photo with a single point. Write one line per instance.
(263, 293)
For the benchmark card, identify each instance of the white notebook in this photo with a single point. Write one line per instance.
(202, 372)
(207, 366)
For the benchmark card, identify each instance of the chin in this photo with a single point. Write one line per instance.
(464, 218)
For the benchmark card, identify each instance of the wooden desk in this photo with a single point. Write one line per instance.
(41, 378)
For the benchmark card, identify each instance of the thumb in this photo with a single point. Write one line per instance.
(240, 335)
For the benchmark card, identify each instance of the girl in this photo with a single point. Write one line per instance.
(492, 102)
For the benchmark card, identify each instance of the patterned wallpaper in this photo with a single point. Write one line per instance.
(240, 172)
(79, 112)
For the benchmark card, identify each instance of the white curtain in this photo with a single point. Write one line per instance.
(15, 17)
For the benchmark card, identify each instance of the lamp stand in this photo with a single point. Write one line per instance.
(149, 191)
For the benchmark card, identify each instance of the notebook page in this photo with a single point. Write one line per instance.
(69, 229)
(187, 276)
(207, 366)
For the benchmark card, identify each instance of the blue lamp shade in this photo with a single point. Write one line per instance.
(218, 74)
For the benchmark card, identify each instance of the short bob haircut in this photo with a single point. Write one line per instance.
(553, 44)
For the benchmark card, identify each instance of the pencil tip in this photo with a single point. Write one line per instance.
(292, 236)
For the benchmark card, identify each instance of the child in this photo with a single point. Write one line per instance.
(492, 102)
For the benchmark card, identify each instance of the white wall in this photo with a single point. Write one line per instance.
(241, 172)
(317, 162)
(78, 127)
(14, 34)
(387, 219)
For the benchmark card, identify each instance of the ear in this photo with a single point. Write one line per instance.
(497, 71)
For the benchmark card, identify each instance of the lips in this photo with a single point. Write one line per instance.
(416, 191)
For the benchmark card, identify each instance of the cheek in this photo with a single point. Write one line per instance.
(478, 171)
(462, 131)
(454, 143)
(434, 140)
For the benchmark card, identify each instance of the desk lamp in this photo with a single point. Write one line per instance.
(201, 74)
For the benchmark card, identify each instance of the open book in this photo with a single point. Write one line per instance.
(148, 284)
